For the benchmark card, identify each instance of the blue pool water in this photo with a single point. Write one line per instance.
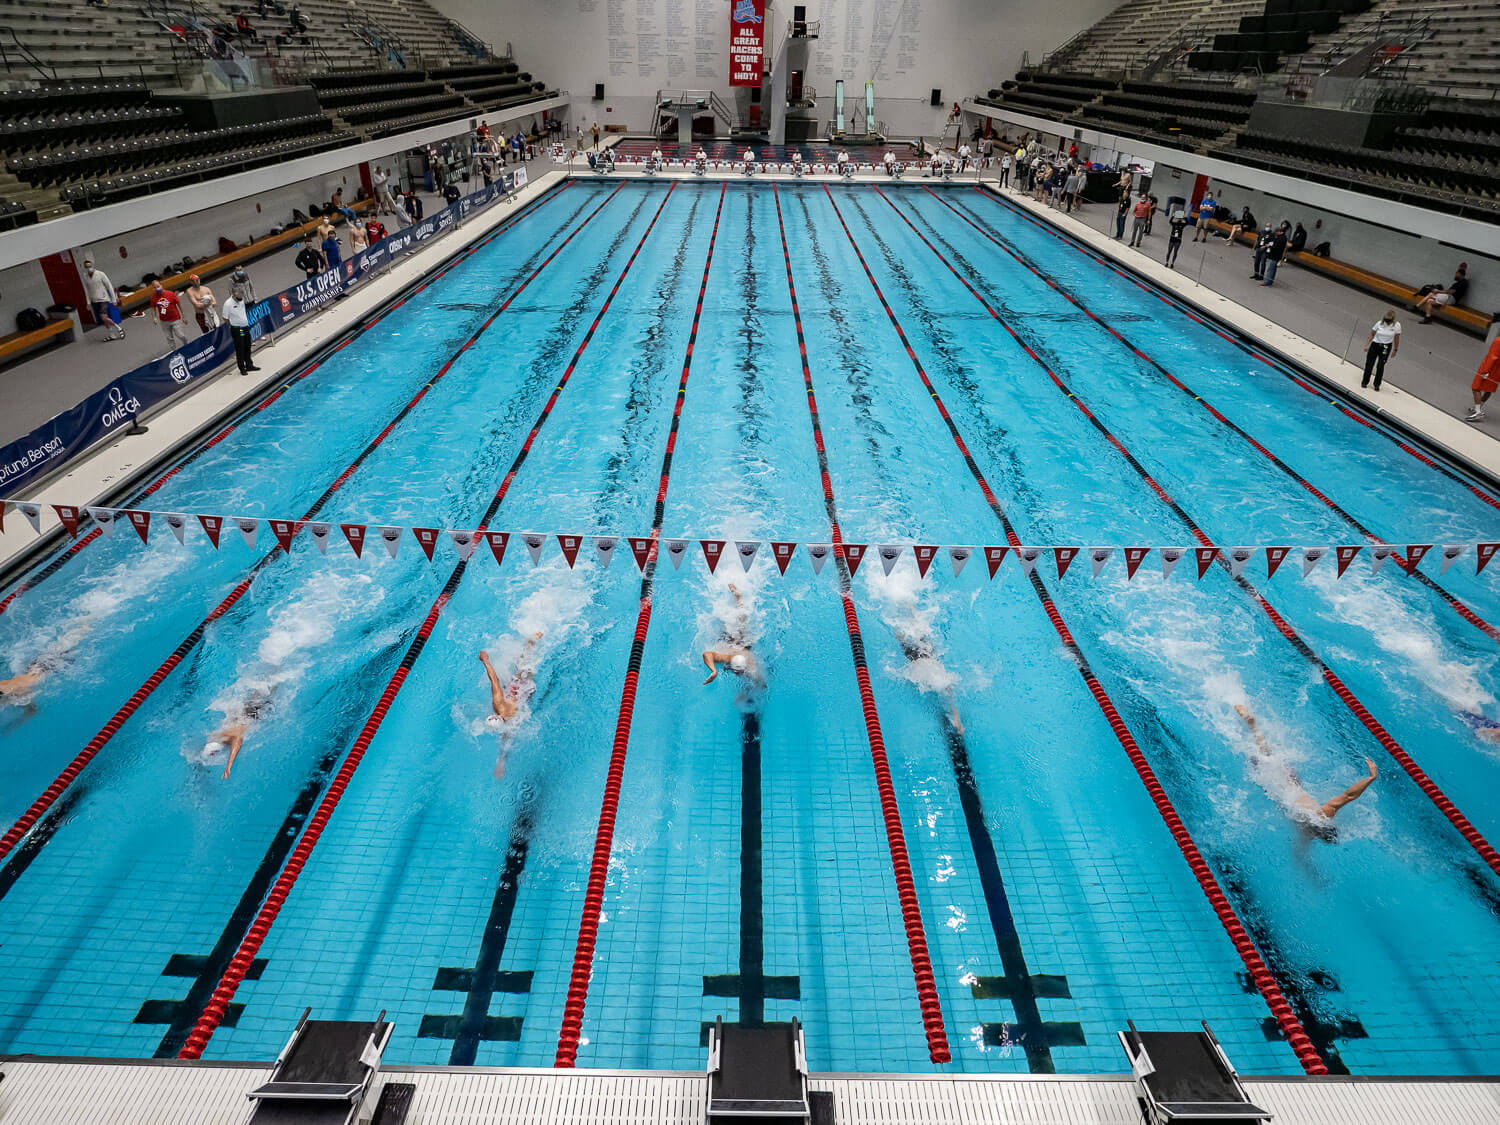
(750, 874)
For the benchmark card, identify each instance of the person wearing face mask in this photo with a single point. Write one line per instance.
(104, 299)
(1384, 342)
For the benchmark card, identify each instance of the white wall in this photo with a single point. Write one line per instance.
(908, 47)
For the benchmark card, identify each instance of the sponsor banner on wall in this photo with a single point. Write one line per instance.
(747, 42)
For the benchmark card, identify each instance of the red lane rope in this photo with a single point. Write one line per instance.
(593, 899)
(1463, 610)
(78, 545)
(213, 1013)
(1264, 980)
(1267, 360)
(906, 890)
(70, 773)
(1346, 696)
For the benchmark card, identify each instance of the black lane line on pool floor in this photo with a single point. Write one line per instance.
(80, 761)
(1430, 789)
(271, 393)
(1018, 985)
(217, 1007)
(1458, 606)
(1352, 408)
(1267, 985)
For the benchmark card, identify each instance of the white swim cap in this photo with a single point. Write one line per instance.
(213, 747)
(738, 662)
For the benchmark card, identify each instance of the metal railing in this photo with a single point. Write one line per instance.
(471, 42)
(15, 55)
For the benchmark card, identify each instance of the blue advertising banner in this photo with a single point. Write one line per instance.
(60, 439)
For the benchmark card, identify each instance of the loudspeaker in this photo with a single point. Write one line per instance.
(937, 97)
(598, 91)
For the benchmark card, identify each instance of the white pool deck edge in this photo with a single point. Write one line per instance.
(39, 1091)
(180, 421)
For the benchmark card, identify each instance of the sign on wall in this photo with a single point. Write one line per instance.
(747, 39)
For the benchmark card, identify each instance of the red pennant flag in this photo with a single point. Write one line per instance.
(1206, 556)
(1414, 555)
(1134, 556)
(854, 554)
(284, 530)
(1483, 552)
(569, 545)
(925, 555)
(993, 557)
(782, 553)
(497, 541)
(212, 525)
(1346, 556)
(355, 533)
(141, 521)
(641, 549)
(1274, 556)
(712, 550)
(427, 537)
(69, 516)
(1065, 557)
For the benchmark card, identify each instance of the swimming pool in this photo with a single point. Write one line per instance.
(752, 853)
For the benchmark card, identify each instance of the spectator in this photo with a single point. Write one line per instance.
(1262, 251)
(413, 207)
(1299, 239)
(201, 297)
(237, 316)
(331, 248)
(244, 29)
(380, 180)
(1076, 183)
(1142, 213)
(1383, 344)
(374, 231)
(1177, 221)
(1151, 214)
(336, 204)
(1246, 222)
(484, 171)
(1277, 253)
(483, 132)
(1434, 297)
(308, 259)
(240, 278)
(1122, 209)
(104, 299)
(167, 311)
(1486, 381)
(451, 194)
(359, 240)
(1005, 170)
(296, 25)
(1206, 207)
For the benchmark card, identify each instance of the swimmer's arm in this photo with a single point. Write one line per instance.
(711, 660)
(235, 742)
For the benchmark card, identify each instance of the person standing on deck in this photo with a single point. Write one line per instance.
(1383, 344)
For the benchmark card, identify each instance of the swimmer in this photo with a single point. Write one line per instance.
(18, 690)
(921, 655)
(735, 653)
(506, 702)
(1482, 725)
(231, 735)
(1305, 802)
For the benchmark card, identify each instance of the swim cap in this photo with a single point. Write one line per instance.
(213, 747)
(738, 662)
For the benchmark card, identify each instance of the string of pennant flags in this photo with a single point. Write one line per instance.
(604, 547)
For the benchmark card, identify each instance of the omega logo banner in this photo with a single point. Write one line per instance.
(747, 42)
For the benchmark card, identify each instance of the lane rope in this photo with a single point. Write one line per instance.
(1260, 974)
(218, 1006)
(906, 891)
(593, 899)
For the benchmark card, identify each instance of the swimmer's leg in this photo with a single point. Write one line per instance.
(1353, 793)
(497, 694)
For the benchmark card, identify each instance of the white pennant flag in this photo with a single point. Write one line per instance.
(33, 514)
(391, 537)
(959, 556)
(1311, 557)
(604, 548)
(104, 517)
(1099, 556)
(890, 554)
(465, 541)
(746, 551)
(534, 544)
(320, 532)
(1170, 557)
(177, 521)
(1028, 557)
(677, 551)
(248, 528)
(818, 553)
(1379, 553)
(1450, 553)
(1238, 557)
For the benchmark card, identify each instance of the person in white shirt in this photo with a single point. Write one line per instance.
(656, 159)
(237, 316)
(963, 157)
(104, 299)
(1384, 343)
(890, 163)
(1005, 170)
(749, 161)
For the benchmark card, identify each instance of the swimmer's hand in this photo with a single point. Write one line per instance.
(225, 775)
(1244, 713)
(1373, 771)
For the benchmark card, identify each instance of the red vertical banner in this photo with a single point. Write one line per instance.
(747, 42)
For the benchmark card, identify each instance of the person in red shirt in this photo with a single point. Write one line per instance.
(1142, 216)
(1486, 381)
(168, 313)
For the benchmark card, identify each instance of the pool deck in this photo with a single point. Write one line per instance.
(74, 1092)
